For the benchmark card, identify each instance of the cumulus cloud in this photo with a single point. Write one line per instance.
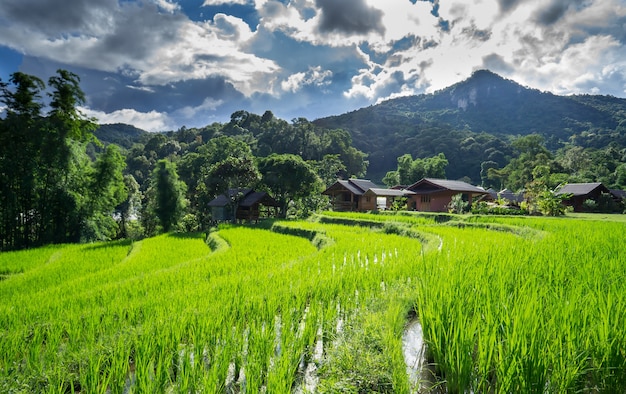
(165, 47)
(301, 55)
(222, 2)
(314, 76)
(168, 5)
(150, 121)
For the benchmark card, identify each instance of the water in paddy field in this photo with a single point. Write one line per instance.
(421, 374)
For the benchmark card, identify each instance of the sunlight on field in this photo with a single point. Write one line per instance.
(505, 304)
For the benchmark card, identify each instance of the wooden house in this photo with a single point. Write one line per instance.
(618, 195)
(250, 207)
(435, 195)
(580, 192)
(361, 195)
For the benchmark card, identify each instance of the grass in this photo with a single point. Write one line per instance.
(507, 304)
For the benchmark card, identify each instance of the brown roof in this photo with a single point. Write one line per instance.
(389, 192)
(581, 189)
(432, 185)
(355, 186)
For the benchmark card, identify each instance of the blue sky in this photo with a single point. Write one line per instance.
(163, 64)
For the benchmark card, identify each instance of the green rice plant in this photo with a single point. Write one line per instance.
(538, 307)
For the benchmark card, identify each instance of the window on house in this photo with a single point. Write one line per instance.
(425, 198)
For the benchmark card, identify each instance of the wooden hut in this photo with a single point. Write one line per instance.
(580, 192)
(242, 204)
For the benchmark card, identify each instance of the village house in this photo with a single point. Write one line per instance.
(512, 198)
(252, 205)
(361, 195)
(435, 195)
(581, 192)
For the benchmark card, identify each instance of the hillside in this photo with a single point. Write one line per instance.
(485, 106)
(120, 134)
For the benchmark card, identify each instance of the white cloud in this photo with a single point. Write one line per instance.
(223, 2)
(168, 5)
(150, 121)
(189, 113)
(208, 49)
(314, 76)
(580, 68)
(548, 57)
(393, 48)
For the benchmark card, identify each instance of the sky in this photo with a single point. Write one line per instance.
(163, 64)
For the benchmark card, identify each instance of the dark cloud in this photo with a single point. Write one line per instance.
(555, 10)
(475, 33)
(496, 63)
(350, 17)
(139, 31)
(110, 92)
(58, 17)
(508, 5)
(122, 33)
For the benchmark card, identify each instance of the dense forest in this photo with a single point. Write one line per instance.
(474, 123)
(64, 178)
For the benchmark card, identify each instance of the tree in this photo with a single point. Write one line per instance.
(288, 178)
(486, 181)
(531, 153)
(230, 177)
(221, 164)
(106, 191)
(392, 178)
(410, 171)
(66, 97)
(551, 204)
(167, 193)
(20, 139)
(329, 168)
(130, 206)
(44, 167)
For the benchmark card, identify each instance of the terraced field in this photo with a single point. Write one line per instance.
(504, 304)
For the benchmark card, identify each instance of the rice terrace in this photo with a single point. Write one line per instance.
(501, 304)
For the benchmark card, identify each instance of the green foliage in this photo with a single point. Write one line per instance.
(130, 207)
(410, 171)
(50, 190)
(166, 196)
(457, 204)
(289, 179)
(551, 204)
(473, 122)
(484, 208)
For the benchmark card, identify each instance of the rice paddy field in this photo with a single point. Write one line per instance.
(530, 305)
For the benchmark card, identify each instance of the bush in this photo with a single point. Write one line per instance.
(457, 205)
(484, 208)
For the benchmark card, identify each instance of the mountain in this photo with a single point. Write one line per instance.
(120, 134)
(470, 120)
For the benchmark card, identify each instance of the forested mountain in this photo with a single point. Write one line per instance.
(121, 134)
(473, 121)
(61, 182)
